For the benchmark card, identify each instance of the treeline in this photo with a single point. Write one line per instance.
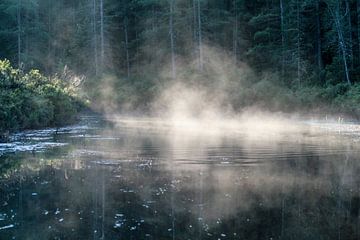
(311, 43)
(30, 100)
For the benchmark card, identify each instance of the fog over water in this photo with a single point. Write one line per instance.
(146, 178)
(201, 120)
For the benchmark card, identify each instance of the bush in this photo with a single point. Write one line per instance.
(31, 100)
(350, 101)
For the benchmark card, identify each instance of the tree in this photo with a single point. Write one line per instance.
(172, 40)
(335, 10)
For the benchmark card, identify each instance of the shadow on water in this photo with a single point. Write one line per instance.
(125, 182)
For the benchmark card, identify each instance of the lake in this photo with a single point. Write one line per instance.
(142, 178)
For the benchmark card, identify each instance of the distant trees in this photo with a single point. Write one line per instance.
(306, 42)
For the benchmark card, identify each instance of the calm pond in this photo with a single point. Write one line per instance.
(140, 179)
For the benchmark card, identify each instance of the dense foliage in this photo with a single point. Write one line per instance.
(302, 53)
(30, 100)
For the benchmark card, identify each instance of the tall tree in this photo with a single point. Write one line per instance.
(102, 43)
(235, 31)
(282, 32)
(127, 47)
(19, 23)
(172, 41)
(336, 13)
(298, 41)
(200, 47)
(318, 41)
(95, 44)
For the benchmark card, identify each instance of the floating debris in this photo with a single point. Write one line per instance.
(126, 190)
(7, 227)
(2, 216)
(118, 224)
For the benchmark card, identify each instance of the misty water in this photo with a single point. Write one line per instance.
(143, 179)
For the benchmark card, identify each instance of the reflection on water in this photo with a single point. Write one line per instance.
(127, 181)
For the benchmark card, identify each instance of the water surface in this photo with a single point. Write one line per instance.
(145, 180)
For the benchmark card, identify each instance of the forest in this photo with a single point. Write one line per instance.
(281, 55)
(180, 119)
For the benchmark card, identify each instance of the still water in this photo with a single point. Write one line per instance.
(132, 179)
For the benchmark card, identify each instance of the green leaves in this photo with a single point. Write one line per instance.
(32, 100)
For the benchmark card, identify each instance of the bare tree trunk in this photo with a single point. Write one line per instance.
(235, 33)
(200, 37)
(298, 42)
(282, 38)
(95, 38)
(48, 65)
(318, 40)
(194, 24)
(137, 52)
(19, 33)
(153, 19)
(337, 20)
(172, 43)
(102, 48)
(153, 40)
(127, 47)
(358, 21)
(195, 33)
(26, 27)
(351, 54)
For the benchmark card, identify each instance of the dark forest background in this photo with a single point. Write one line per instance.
(277, 54)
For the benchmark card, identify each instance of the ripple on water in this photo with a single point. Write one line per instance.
(24, 146)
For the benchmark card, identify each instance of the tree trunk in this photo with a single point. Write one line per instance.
(26, 28)
(337, 18)
(137, 51)
(127, 47)
(102, 48)
(200, 37)
(95, 38)
(298, 42)
(235, 33)
(318, 42)
(153, 56)
(195, 22)
(358, 26)
(351, 54)
(282, 38)
(19, 33)
(172, 42)
(48, 64)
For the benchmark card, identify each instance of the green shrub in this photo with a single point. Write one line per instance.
(350, 101)
(31, 100)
